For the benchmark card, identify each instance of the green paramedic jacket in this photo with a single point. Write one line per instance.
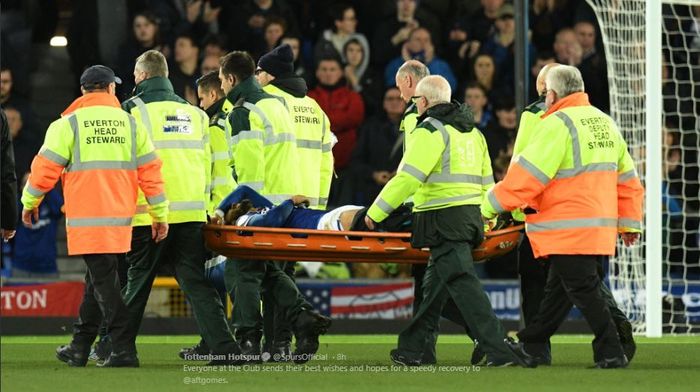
(446, 164)
(180, 134)
(222, 182)
(263, 147)
(314, 142)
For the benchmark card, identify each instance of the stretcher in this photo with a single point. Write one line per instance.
(264, 243)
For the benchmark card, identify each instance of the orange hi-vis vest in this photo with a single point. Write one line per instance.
(102, 156)
(577, 174)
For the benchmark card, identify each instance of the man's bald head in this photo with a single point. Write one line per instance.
(540, 84)
(408, 76)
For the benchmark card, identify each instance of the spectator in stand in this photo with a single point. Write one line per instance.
(209, 63)
(484, 73)
(469, 33)
(547, 17)
(593, 67)
(184, 71)
(543, 58)
(501, 134)
(333, 40)
(379, 149)
(481, 24)
(392, 33)
(360, 77)
(146, 37)
(194, 17)
(475, 97)
(419, 46)
(500, 45)
(25, 144)
(8, 183)
(34, 248)
(245, 23)
(566, 47)
(299, 68)
(9, 98)
(273, 31)
(343, 106)
(214, 45)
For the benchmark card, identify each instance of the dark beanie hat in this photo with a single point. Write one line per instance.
(278, 62)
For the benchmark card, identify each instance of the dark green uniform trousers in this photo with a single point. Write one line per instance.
(450, 233)
(277, 329)
(184, 249)
(469, 298)
(245, 281)
(449, 311)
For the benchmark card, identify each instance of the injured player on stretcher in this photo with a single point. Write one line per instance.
(246, 207)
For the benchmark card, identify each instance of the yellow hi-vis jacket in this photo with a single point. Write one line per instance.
(314, 142)
(222, 182)
(444, 166)
(264, 147)
(180, 134)
(532, 115)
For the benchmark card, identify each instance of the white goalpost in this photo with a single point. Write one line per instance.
(652, 48)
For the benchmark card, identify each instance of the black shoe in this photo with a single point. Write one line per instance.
(73, 355)
(101, 349)
(309, 326)
(611, 363)
(198, 352)
(522, 358)
(250, 351)
(428, 360)
(624, 331)
(478, 355)
(120, 359)
(231, 357)
(403, 360)
(280, 352)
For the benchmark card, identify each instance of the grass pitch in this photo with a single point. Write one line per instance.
(351, 363)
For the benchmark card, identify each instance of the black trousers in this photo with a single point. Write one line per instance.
(122, 268)
(533, 279)
(575, 278)
(102, 301)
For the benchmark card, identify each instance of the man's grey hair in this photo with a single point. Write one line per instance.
(435, 89)
(414, 68)
(153, 63)
(564, 80)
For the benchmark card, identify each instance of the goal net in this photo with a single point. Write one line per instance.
(624, 25)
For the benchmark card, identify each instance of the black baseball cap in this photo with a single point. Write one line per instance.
(98, 74)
